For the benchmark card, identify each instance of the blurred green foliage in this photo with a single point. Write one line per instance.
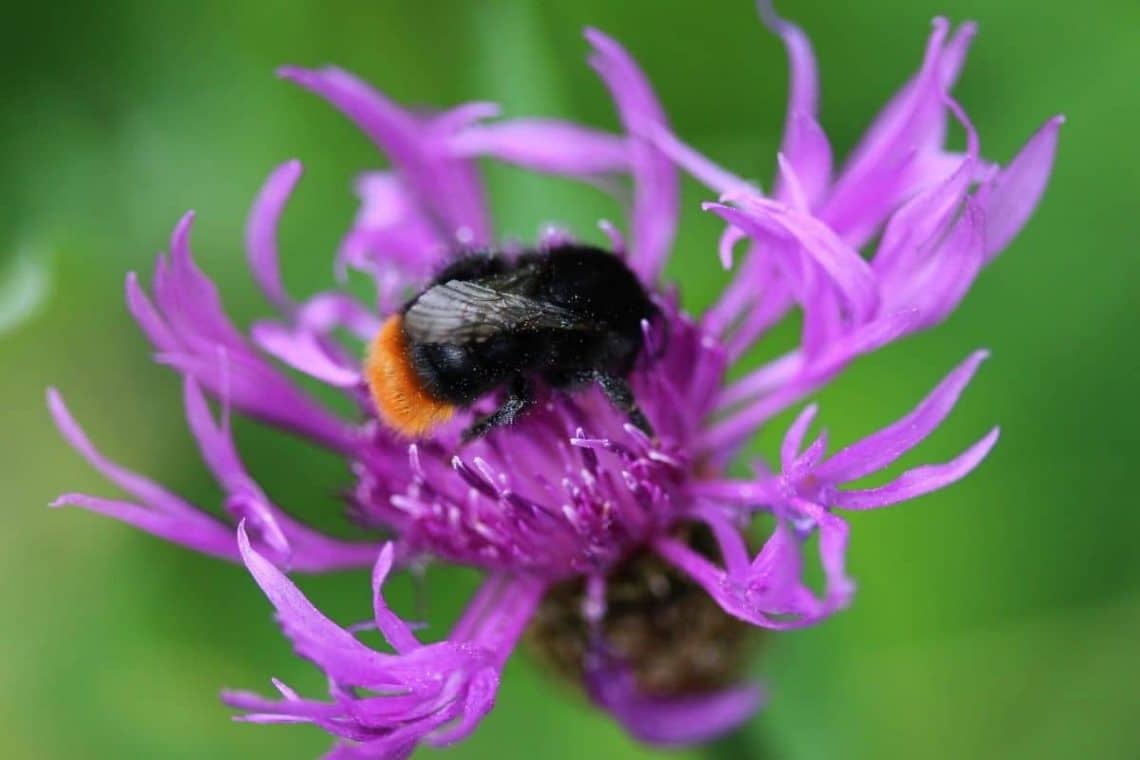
(1000, 618)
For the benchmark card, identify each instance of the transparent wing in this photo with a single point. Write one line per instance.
(463, 311)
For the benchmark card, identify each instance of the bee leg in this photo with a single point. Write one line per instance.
(617, 390)
(520, 398)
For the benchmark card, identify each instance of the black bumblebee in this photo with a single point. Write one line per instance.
(570, 316)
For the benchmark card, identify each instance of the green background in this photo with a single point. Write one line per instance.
(1000, 618)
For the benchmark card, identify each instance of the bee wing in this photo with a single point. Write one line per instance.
(461, 311)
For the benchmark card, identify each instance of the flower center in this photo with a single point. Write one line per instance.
(672, 636)
(570, 489)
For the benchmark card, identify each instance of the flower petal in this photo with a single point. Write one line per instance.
(930, 212)
(260, 391)
(809, 153)
(193, 333)
(419, 152)
(793, 439)
(921, 480)
(148, 318)
(878, 450)
(768, 594)
(669, 721)
(805, 144)
(909, 109)
(736, 427)
(900, 151)
(391, 230)
(315, 637)
(189, 300)
(244, 499)
(545, 145)
(396, 632)
(304, 352)
(700, 167)
(481, 693)
(764, 220)
(146, 490)
(201, 533)
(833, 535)
(939, 286)
(656, 192)
(386, 704)
(261, 232)
(1016, 190)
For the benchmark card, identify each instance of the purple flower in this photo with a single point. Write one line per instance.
(573, 509)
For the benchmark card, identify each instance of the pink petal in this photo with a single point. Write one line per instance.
(669, 721)
(768, 594)
(261, 231)
(146, 490)
(805, 145)
(316, 637)
(833, 537)
(420, 153)
(545, 145)
(739, 425)
(190, 300)
(656, 192)
(481, 693)
(937, 289)
(304, 352)
(327, 311)
(214, 441)
(391, 230)
(147, 317)
(851, 275)
(700, 167)
(878, 450)
(931, 211)
(899, 153)
(396, 631)
(921, 480)
(793, 439)
(909, 110)
(1010, 202)
(199, 533)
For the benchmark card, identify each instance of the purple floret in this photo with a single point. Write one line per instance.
(885, 246)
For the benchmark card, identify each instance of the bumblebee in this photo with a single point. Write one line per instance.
(569, 317)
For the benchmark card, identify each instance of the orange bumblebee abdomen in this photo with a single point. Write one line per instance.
(398, 392)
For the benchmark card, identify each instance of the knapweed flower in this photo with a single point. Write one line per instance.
(627, 556)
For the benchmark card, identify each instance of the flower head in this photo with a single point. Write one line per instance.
(573, 506)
